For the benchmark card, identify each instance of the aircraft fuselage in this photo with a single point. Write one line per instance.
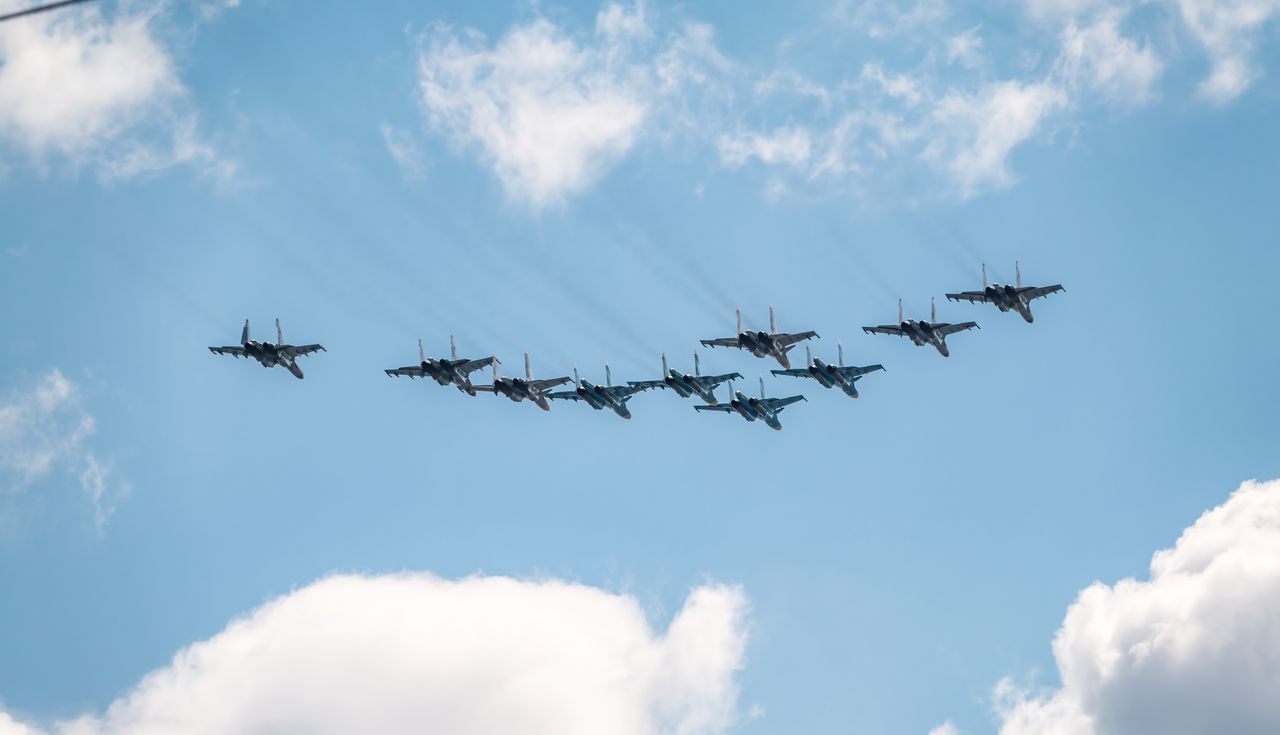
(762, 344)
(600, 399)
(923, 334)
(1007, 298)
(829, 377)
(689, 385)
(519, 389)
(752, 409)
(268, 355)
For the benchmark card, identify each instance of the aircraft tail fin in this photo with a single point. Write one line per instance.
(664, 365)
(1017, 272)
(840, 353)
(608, 376)
(761, 386)
(739, 313)
(697, 366)
(279, 333)
(422, 353)
(244, 333)
(984, 276)
(808, 356)
(773, 325)
(933, 310)
(577, 381)
(900, 318)
(496, 373)
(528, 371)
(453, 348)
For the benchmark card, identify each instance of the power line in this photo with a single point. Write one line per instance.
(41, 9)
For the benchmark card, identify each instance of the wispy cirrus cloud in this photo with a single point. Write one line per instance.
(45, 431)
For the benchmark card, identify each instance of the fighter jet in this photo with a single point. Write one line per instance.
(752, 409)
(829, 376)
(518, 389)
(1007, 298)
(451, 371)
(763, 344)
(269, 355)
(923, 333)
(703, 386)
(599, 397)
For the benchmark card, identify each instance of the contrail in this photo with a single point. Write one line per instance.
(40, 9)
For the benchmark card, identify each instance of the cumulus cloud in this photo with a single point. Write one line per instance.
(1227, 29)
(44, 428)
(551, 111)
(99, 91)
(1193, 649)
(945, 728)
(412, 653)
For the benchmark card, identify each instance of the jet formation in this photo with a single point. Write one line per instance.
(772, 345)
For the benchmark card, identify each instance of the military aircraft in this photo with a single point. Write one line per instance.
(610, 396)
(923, 333)
(518, 389)
(685, 385)
(752, 409)
(267, 353)
(1007, 298)
(451, 371)
(829, 376)
(763, 344)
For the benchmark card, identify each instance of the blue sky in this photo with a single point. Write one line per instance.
(649, 169)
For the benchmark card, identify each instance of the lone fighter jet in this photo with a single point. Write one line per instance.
(600, 396)
(451, 371)
(829, 376)
(923, 333)
(763, 344)
(269, 354)
(1007, 298)
(518, 389)
(751, 409)
(703, 386)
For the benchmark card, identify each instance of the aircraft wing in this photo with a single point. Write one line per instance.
(548, 383)
(565, 395)
(712, 381)
(470, 366)
(973, 297)
(884, 329)
(640, 385)
(776, 404)
(947, 330)
(721, 342)
(410, 371)
(233, 351)
(622, 391)
(1035, 292)
(794, 372)
(723, 407)
(857, 371)
(787, 340)
(300, 350)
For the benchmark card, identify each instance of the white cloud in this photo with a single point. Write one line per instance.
(551, 112)
(977, 132)
(44, 428)
(945, 728)
(786, 146)
(404, 151)
(899, 86)
(1226, 29)
(412, 653)
(98, 91)
(1193, 649)
(1061, 10)
(965, 48)
(1100, 57)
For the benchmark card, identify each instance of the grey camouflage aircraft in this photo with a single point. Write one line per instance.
(755, 409)
(932, 333)
(685, 385)
(1007, 298)
(519, 389)
(599, 397)
(763, 344)
(445, 371)
(268, 354)
(831, 376)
